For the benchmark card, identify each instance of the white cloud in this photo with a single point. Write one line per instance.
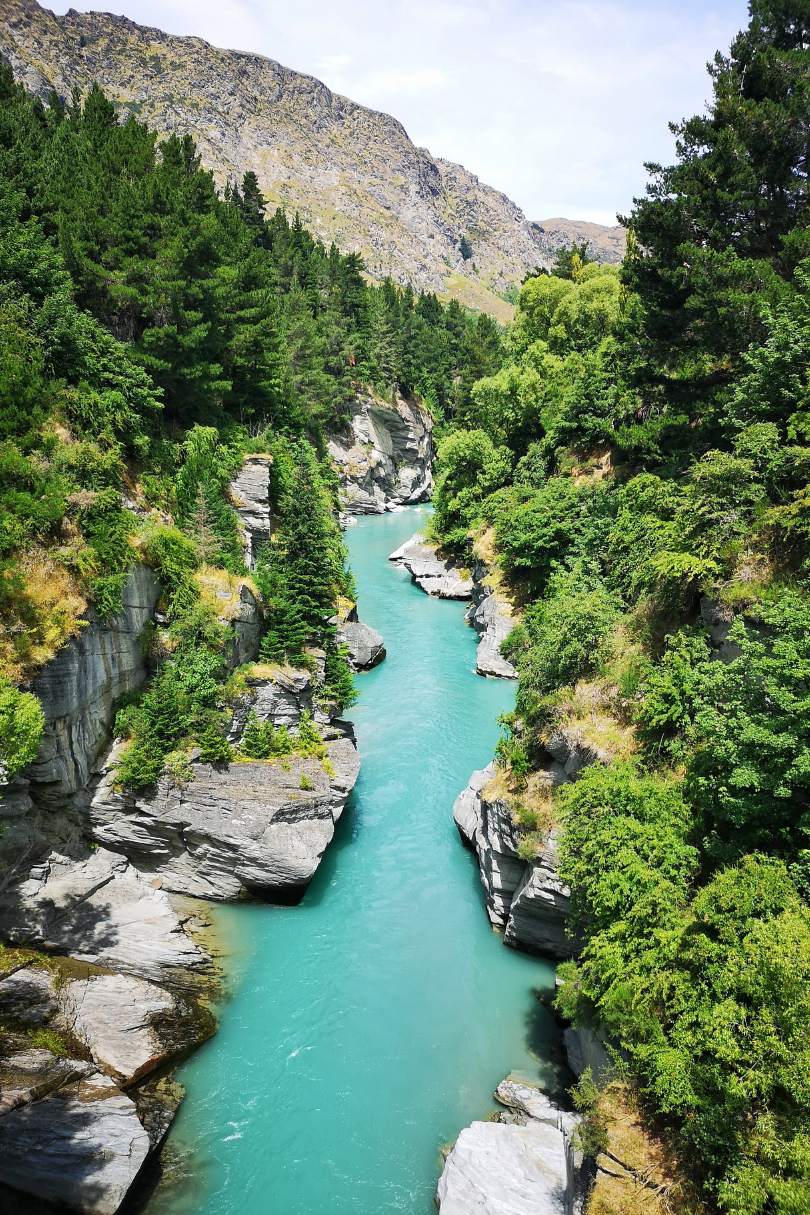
(556, 102)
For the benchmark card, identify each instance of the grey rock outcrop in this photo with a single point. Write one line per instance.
(30, 1075)
(491, 617)
(101, 910)
(522, 1163)
(28, 995)
(384, 457)
(586, 1047)
(365, 645)
(250, 495)
(82, 1146)
(433, 572)
(119, 1019)
(531, 1102)
(246, 828)
(239, 610)
(78, 687)
(526, 900)
(497, 1169)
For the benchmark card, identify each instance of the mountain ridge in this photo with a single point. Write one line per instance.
(352, 173)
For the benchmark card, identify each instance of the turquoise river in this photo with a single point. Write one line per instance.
(371, 1023)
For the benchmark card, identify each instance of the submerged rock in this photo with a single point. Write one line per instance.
(384, 457)
(433, 573)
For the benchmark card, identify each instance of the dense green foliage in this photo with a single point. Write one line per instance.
(645, 449)
(154, 331)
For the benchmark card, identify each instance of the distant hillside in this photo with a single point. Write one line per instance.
(352, 173)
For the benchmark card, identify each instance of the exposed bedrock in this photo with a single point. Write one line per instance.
(250, 496)
(78, 687)
(365, 645)
(246, 828)
(491, 617)
(433, 571)
(523, 1163)
(383, 456)
(121, 992)
(526, 900)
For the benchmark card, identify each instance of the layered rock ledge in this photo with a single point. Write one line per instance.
(433, 571)
(384, 456)
(492, 618)
(526, 900)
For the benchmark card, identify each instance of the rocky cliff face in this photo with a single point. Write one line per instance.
(352, 173)
(247, 828)
(526, 900)
(94, 879)
(383, 456)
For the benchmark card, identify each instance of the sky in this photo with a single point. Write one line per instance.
(558, 103)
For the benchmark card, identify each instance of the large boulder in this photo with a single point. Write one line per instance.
(101, 910)
(366, 648)
(246, 828)
(383, 456)
(129, 1026)
(82, 1146)
(497, 1169)
(435, 573)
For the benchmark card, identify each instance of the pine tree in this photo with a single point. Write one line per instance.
(214, 747)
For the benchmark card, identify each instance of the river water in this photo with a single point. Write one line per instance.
(371, 1023)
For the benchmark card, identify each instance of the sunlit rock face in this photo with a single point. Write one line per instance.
(383, 455)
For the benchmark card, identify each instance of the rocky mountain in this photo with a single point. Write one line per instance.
(352, 173)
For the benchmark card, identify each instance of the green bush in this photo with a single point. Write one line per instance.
(21, 726)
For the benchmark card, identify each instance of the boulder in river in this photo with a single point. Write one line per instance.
(495, 1169)
(434, 572)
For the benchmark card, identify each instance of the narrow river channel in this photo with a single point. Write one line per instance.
(371, 1023)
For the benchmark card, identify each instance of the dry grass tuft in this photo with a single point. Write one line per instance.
(639, 1173)
(591, 714)
(223, 590)
(41, 605)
